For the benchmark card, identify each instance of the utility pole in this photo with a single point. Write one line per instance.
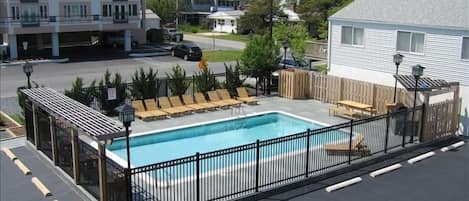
(271, 18)
(177, 14)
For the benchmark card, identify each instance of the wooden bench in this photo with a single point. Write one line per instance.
(372, 111)
(344, 112)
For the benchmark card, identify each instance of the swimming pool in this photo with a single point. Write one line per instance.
(160, 146)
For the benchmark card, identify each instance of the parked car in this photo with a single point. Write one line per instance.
(187, 51)
(172, 34)
(117, 39)
(292, 62)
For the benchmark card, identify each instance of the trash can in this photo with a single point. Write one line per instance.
(399, 123)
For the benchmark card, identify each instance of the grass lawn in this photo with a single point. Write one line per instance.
(233, 37)
(18, 118)
(222, 55)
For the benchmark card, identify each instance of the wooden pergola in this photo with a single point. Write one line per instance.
(81, 119)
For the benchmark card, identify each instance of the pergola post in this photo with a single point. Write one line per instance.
(102, 172)
(75, 159)
(36, 126)
(53, 139)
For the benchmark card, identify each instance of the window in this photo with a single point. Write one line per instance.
(104, 10)
(465, 48)
(410, 42)
(352, 35)
(75, 11)
(134, 10)
(15, 13)
(232, 23)
(43, 12)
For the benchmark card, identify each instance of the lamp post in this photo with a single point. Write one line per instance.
(397, 60)
(285, 44)
(126, 116)
(417, 72)
(28, 69)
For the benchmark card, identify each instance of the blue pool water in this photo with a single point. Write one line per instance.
(178, 143)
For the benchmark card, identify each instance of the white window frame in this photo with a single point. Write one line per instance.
(353, 38)
(410, 42)
(462, 42)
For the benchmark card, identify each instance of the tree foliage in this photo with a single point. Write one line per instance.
(316, 12)
(255, 16)
(260, 57)
(109, 81)
(81, 94)
(296, 35)
(166, 9)
(204, 80)
(144, 84)
(177, 81)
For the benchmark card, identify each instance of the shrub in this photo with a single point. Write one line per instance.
(2, 123)
(177, 82)
(81, 94)
(102, 94)
(232, 78)
(144, 84)
(204, 80)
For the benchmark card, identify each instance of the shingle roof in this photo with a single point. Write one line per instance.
(448, 14)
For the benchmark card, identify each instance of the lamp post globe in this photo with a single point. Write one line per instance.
(286, 45)
(126, 116)
(397, 58)
(28, 69)
(417, 72)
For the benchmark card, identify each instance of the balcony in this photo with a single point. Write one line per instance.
(29, 1)
(120, 18)
(30, 21)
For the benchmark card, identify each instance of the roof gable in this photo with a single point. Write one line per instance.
(453, 14)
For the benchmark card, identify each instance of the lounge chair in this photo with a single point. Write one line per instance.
(200, 99)
(213, 98)
(343, 148)
(176, 102)
(145, 115)
(243, 96)
(225, 96)
(152, 108)
(166, 106)
(189, 102)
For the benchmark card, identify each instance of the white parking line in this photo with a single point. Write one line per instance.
(421, 157)
(385, 170)
(453, 146)
(343, 184)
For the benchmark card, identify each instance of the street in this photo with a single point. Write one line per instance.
(60, 76)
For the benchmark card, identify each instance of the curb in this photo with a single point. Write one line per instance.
(343, 184)
(35, 62)
(149, 54)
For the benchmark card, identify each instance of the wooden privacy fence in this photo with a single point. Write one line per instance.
(293, 83)
(330, 89)
(441, 119)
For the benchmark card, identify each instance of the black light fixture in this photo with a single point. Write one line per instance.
(126, 116)
(286, 45)
(397, 60)
(28, 69)
(417, 72)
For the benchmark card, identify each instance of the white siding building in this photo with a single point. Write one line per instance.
(225, 21)
(433, 33)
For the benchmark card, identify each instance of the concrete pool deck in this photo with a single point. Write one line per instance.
(310, 109)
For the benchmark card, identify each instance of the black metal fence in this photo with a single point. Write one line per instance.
(238, 171)
(64, 145)
(88, 168)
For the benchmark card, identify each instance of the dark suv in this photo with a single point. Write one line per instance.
(187, 52)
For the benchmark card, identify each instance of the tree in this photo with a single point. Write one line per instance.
(316, 13)
(296, 35)
(177, 81)
(204, 80)
(232, 78)
(256, 14)
(81, 94)
(260, 57)
(166, 9)
(107, 82)
(144, 84)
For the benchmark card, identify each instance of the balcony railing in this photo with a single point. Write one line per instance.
(30, 21)
(120, 18)
(29, 1)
